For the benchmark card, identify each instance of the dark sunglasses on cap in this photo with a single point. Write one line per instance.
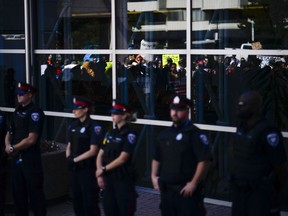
(21, 93)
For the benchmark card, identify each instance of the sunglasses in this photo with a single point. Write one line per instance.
(21, 93)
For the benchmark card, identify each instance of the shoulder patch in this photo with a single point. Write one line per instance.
(131, 138)
(273, 139)
(35, 116)
(97, 129)
(204, 139)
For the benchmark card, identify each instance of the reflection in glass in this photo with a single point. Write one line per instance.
(228, 24)
(218, 81)
(77, 75)
(12, 25)
(12, 70)
(74, 24)
(149, 85)
(151, 21)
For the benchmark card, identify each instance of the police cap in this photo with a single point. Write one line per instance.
(80, 102)
(180, 103)
(24, 88)
(120, 108)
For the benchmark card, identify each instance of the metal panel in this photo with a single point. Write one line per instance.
(214, 5)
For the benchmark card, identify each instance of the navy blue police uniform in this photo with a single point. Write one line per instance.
(84, 184)
(179, 150)
(255, 153)
(26, 165)
(119, 194)
(3, 161)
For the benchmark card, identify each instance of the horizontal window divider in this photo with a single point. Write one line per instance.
(73, 51)
(206, 127)
(12, 51)
(159, 52)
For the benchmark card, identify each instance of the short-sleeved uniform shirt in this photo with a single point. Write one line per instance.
(83, 134)
(2, 134)
(115, 142)
(179, 150)
(28, 119)
(256, 150)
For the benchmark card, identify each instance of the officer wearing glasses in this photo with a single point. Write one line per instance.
(23, 146)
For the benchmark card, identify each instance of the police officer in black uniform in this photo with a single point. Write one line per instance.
(115, 172)
(23, 145)
(180, 161)
(84, 138)
(3, 160)
(259, 157)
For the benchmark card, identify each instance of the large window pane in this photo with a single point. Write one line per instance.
(148, 85)
(12, 25)
(59, 82)
(218, 81)
(70, 24)
(228, 24)
(142, 22)
(12, 70)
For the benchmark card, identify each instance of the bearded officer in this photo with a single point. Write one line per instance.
(180, 162)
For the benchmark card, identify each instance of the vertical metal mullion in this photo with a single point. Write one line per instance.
(188, 48)
(113, 40)
(31, 39)
(27, 39)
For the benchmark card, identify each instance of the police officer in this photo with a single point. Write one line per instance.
(259, 156)
(3, 160)
(115, 172)
(179, 163)
(23, 145)
(84, 138)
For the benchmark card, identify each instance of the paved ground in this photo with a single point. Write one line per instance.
(147, 205)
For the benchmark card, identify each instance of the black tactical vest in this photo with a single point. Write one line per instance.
(115, 141)
(178, 161)
(250, 160)
(80, 141)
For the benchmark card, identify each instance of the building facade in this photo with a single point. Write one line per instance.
(142, 53)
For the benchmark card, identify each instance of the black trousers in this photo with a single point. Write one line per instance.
(85, 192)
(3, 175)
(174, 204)
(119, 197)
(27, 187)
(252, 199)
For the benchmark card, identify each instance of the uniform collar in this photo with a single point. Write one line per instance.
(124, 127)
(23, 108)
(182, 126)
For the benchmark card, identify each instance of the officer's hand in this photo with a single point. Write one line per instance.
(7, 151)
(101, 183)
(188, 189)
(155, 182)
(99, 172)
(70, 162)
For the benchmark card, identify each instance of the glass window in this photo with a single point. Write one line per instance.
(12, 31)
(74, 24)
(229, 24)
(218, 81)
(143, 23)
(149, 81)
(12, 70)
(61, 77)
